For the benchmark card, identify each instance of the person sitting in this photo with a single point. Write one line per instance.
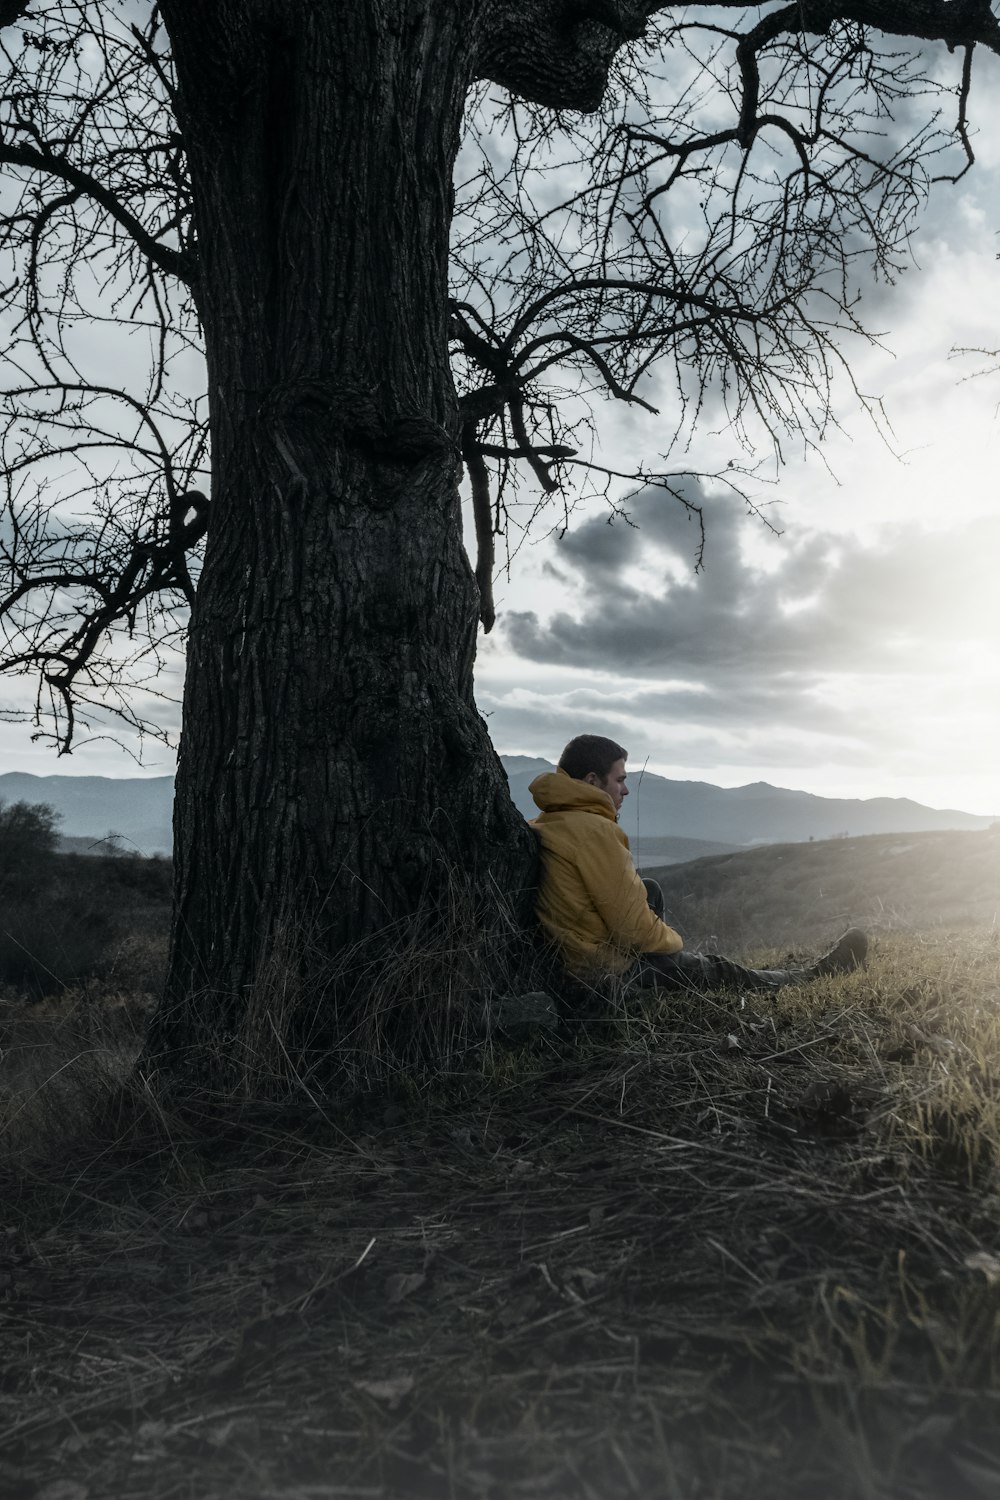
(601, 915)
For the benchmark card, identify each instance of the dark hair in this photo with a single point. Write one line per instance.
(590, 752)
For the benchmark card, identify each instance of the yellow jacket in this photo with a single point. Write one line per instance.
(591, 901)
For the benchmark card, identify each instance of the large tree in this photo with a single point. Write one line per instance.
(275, 180)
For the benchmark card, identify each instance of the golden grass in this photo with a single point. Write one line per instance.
(713, 1249)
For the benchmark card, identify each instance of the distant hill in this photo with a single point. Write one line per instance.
(804, 895)
(664, 847)
(90, 807)
(666, 821)
(666, 851)
(658, 808)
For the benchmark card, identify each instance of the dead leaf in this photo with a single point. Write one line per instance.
(399, 1286)
(982, 1260)
(934, 1428)
(521, 1310)
(390, 1391)
(224, 1434)
(75, 1443)
(584, 1278)
(152, 1431)
(732, 1044)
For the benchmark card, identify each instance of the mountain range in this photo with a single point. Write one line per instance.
(666, 821)
(138, 808)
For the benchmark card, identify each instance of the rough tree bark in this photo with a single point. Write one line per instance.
(334, 773)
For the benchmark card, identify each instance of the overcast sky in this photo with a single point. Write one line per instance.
(854, 654)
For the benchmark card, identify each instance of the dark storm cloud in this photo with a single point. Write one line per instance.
(829, 607)
(708, 723)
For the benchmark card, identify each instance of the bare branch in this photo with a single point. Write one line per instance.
(482, 511)
(958, 23)
(147, 568)
(171, 261)
(962, 123)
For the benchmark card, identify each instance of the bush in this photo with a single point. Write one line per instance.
(27, 845)
(66, 918)
(47, 944)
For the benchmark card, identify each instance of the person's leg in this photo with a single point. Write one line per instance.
(654, 895)
(710, 971)
(695, 971)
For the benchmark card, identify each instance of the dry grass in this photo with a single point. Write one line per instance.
(713, 1249)
(406, 1002)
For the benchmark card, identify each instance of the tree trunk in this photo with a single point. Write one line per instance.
(334, 775)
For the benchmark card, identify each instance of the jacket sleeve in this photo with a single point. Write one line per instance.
(619, 896)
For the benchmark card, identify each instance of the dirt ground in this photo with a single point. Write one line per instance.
(725, 1248)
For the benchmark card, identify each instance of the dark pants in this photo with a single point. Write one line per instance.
(701, 971)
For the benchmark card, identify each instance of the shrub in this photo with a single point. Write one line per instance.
(66, 918)
(47, 944)
(27, 845)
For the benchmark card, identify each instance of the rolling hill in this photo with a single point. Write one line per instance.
(805, 894)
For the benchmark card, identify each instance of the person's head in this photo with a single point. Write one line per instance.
(598, 761)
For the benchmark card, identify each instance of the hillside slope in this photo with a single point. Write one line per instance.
(803, 894)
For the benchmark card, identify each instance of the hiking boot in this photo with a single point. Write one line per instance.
(847, 954)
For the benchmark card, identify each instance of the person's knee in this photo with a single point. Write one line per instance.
(667, 970)
(654, 897)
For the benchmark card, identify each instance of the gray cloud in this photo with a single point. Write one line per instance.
(827, 606)
(879, 655)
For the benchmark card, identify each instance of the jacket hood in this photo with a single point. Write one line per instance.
(555, 791)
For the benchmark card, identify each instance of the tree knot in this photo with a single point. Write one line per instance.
(353, 415)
